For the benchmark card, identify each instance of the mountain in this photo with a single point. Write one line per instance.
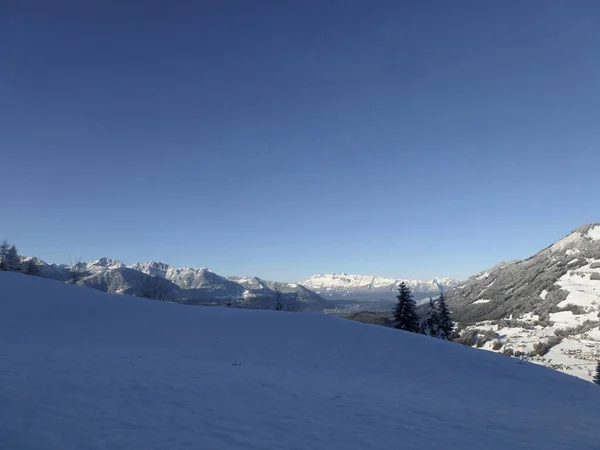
(370, 288)
(531, 285)
(52, 271)
(124, 280)
(93, 370)
(160, 281)
(294, 295)
(200, 280)
(545, 307)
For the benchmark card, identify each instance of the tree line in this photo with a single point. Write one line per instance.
(437, 321)
(11, 261)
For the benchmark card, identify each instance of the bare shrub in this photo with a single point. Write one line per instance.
(543, 347)
(509, 351)
(579, 329)
(468, 337)
(489, 335)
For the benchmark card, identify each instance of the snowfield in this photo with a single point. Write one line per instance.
(86, 370)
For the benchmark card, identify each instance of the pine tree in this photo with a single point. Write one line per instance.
(597, 376)
(3, 255)
(430, 324)
(446, 322)
(12, 258)
(405, 314)
(278, 296)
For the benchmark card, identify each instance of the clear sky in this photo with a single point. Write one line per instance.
(285, 138)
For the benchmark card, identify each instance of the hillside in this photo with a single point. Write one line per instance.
(548, 304)
(87, 370)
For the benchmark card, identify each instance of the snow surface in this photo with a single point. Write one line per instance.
(594, 233)
(86, 370)
(564, 242)
(477, 302)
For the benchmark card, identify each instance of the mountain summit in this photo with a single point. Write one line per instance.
(532, 284)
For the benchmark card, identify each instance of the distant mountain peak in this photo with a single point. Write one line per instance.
(107, 263)
(342, 286)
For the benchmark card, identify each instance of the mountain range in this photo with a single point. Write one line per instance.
(345, 286)
(161, 281)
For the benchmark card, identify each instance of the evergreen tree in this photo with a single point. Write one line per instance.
(3, 255)
(405, 314)
(430, 324)
(597, 376)
(278, 296)
(30, 268)
(446, 322)
(12, 258)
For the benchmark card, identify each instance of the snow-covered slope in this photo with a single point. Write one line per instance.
(546, 307)
(515, 287)
(86, 370)
(361, 287)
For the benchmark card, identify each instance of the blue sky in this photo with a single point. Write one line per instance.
(281, 139)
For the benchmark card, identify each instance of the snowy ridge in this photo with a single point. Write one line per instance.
(161, 281)
(92, 370)
(344, 286)
(545, 308)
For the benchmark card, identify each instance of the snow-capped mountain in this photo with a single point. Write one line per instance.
(361, 287)
(84, 370)
(546, 306)
(52, 271)
(191, 278)
(162, 281)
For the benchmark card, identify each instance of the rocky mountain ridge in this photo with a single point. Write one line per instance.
(545, 308)
(160, 281)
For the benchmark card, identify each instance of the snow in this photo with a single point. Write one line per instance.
(483, 276)
(477, 302)
(566, 241)
(578, 353)
(582, 290)
(594, 233)
(86, 370)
